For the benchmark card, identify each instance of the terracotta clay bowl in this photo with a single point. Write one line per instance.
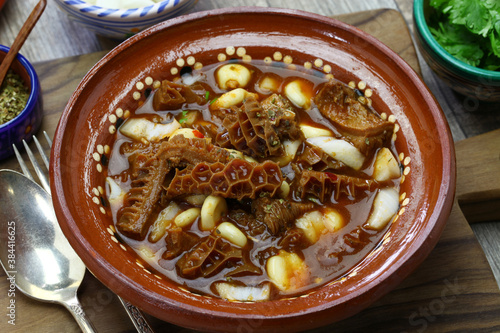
(121, 79)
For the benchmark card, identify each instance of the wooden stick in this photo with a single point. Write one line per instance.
(21, 38)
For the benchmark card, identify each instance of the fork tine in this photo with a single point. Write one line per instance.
(38, 170)
(23, 165)
(48, 139)
(42, 152)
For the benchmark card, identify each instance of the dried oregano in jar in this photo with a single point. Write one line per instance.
(13, 97)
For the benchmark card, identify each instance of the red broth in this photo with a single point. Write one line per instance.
(272, 240)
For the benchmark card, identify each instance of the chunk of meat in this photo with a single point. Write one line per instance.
(208, 257)
(313, 157)
(278, 214)
(281, 112)
(178, 241)
(238, 179)
(149, 172)
(141, 198)
(171, 96)
(355, 120)
(323, 185)
(259, 129)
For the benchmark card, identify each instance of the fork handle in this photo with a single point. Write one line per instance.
(74, 306)
(140, 323)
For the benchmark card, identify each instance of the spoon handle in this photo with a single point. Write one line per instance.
(21, 37)
(73, 305)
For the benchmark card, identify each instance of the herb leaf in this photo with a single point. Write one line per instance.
(469, 30)
(473, 14)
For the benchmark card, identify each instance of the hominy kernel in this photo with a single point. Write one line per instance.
(327, 69)
(198, 65)
(190, 60)
(102, 210)
(139, 85)
(268, 60)
(352, 84)
(277, 56)
(247, 58)
(156, 84)
(113, 238)
(95, 191)
(107, 149)
(100, 189)
(406, 201)
(230, 50)
(174, 70)
(96, 200)
(406, 171)
(112, 129)
(361, 85)
(407, 160)
(287, 59)
(383, 115)
(136, 95)
(149, 80)
(307, 65)
(100, 149)
(123, 247)
(96, 157)
(112, 118)
(99, 167)
(318, 62)
(368, 92)
(392, 118)
(119, 112)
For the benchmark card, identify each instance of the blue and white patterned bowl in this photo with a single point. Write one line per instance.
(122, 23)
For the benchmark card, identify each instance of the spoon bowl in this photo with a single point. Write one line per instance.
(35, 252)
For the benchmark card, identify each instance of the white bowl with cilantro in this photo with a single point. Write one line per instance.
(120, 19)
(460, 41)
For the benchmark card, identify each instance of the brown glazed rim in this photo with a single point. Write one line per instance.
(317, 308)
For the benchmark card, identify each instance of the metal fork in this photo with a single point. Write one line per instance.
(139, 321)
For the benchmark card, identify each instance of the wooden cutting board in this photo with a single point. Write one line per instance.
(453, 290)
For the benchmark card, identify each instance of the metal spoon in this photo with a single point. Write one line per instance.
(33, 249)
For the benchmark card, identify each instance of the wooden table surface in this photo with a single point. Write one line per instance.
(55, 36)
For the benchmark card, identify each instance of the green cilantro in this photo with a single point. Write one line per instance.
(207, 94)
(213, 101)
(184, 117)
(469, 30)
(314, 200)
